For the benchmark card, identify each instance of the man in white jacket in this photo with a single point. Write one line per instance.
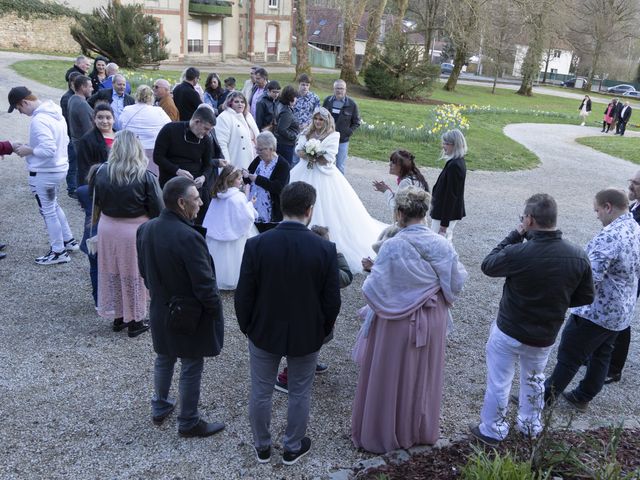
(47, 162)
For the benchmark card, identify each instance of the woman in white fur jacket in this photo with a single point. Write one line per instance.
(236, 131)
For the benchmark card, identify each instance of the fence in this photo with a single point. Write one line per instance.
(317, 57)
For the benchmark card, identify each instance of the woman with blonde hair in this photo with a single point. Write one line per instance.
(236, 131)
(401, 345)
(229, 223)
(126, 195)
(145, 120)
(337, 206)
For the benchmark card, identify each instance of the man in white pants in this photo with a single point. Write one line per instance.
(544, 276)
(47, 162)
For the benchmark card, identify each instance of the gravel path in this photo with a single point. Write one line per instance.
(75, 395)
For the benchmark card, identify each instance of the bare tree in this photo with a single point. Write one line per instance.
(462, 22)
(302, 50)
(503, 26)
(373, 31)
(601, 25)
(402, 11)
(353, 11)
(430, 21)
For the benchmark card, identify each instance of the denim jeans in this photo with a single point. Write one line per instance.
(44, 186)
(264, 370)
(581, 340)
(72, 173)
(341, 157)
(188, 387)
(86, 203)
(503, 352)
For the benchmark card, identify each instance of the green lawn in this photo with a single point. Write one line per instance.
(489, 148)
(622, 147)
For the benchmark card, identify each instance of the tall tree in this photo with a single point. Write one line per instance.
(402, 11)
(462, 22)
(430, 20)
(353, 11)
(373, 31)
(503, 28)
(302, 50)
(601, 25)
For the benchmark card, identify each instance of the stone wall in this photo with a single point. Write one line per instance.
(37, 34)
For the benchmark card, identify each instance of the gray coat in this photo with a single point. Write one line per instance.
(174, 260)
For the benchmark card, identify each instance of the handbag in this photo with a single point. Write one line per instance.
(184, 315)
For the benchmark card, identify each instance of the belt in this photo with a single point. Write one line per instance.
(33, 174)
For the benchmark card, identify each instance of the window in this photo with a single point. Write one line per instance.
(557, 53)
(273, 3)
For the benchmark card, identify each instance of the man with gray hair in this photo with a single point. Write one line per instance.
(545, 275)
(345, 113)
(162, 92)
(591, 330)
(113, 69)
(115, 96)
(81, 65)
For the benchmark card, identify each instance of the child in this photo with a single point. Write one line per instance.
(229, 86)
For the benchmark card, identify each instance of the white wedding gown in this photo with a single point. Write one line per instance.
(337, 206)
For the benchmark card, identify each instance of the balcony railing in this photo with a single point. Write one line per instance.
(219, 8)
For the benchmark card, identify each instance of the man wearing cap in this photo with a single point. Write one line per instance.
(47, 162)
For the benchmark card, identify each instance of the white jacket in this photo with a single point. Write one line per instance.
(236, 135)
(49, 140)
(145, 121)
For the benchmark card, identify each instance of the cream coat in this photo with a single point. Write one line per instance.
(236, 135)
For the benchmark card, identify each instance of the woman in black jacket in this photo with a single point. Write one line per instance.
(93, 148)
(447, 198)
(585, 109)
(268, 174)
(99, 72)
(287, 128)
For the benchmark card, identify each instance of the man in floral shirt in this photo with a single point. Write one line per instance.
(591, 330)
(305, 105)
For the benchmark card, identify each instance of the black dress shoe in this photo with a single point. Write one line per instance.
(136, 328)
(616, 377)
(159, 420)
(202, 429)
(2, 245)
(2, 255)
(119, 325)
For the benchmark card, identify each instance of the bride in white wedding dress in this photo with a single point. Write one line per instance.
(337, 206)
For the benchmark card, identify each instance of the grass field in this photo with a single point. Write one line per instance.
(623, 147)
(489, 148)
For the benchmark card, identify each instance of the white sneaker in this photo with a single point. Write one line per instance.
(52, 258)
(71, 245)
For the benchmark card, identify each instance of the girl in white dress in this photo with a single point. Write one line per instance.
(236, 131)
(229, 222)
(337, 206)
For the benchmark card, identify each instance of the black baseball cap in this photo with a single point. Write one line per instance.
(15, 95)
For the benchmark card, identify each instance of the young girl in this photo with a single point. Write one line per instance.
(229, 222)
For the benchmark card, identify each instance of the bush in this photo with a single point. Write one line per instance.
(122, 33)
(397, 72)
(496, 466)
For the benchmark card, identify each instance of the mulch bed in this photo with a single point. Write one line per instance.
(589, 446)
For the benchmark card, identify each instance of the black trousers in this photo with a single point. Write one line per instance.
(620, 352)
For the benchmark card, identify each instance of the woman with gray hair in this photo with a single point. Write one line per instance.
(447, 200)
(145, 120)
(268, 174)
(401, 345)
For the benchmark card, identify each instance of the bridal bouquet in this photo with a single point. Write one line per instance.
(313, 151)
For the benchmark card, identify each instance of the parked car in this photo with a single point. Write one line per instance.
(571, 83)
(632, 93)
(619, 89)
(446, 68)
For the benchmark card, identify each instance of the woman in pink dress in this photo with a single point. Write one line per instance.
(400, 347)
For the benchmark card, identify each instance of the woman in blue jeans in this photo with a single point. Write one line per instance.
(93, 148)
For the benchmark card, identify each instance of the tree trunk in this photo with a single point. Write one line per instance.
(594, 65)
(402, 11)
(302, 50)
(495, 80)
(353, 13)
(531, 63)
(373, 30)
(461, 54)
(428, 38)
(546, 66)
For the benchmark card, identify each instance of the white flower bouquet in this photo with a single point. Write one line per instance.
(313, 150)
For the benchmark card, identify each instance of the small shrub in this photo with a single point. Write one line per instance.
(397, 72)
(495, 466)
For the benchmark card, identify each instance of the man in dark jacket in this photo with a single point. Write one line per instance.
(624, 114)
(345, 113)
(177, 269)
(266, 107)
(116, 96)
(286, 302)
(81, 65)
(544, 276)
(185, 96)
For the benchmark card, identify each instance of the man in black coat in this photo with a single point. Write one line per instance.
(177, 269)
(185, 96)
(188, 149)
(345, 113)
(81, 65)
(286, 302)
(116, 96)
(624, 114)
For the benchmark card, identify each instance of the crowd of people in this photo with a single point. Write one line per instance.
(616, 115)
(191, 191)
